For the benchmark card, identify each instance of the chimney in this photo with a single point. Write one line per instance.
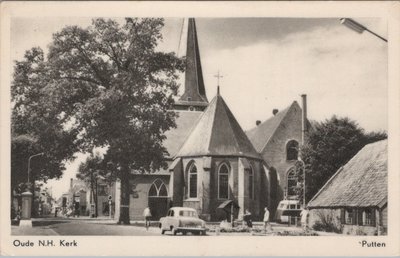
(275, 111)
(304, 118)
(258, 122)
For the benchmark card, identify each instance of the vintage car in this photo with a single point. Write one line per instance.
(182, 220)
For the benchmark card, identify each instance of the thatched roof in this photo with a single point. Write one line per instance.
(217, 133)
(362, 182)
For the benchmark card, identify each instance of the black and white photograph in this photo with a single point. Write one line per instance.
(191, 126)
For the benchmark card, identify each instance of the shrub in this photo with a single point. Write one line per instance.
(327, 222)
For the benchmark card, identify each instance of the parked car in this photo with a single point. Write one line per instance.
(288, 211)
(182, 220)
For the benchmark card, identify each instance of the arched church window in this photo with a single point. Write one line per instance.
(192, 184)
(251, 183)
(291, 182)
(292, 150)
(223, 182)
(158, 189)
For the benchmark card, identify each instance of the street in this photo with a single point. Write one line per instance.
(107, 227)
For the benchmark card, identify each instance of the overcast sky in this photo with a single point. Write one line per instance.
(267, 63)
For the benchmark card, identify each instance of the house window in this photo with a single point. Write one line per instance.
(102, 190)
(350, 216)
(291, 182)
(292, 150)
(192, 181)
(369, 218)
(223, 182)
(251, 183)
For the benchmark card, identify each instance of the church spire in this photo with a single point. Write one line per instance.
(195, 92)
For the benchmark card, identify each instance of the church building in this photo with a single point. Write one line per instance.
(212, 160)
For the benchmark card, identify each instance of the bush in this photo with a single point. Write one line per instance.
(327, 222)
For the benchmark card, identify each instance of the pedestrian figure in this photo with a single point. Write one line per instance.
(247, 218)
(267, 225)
(147, 216)
(55, 212)
(304, 219)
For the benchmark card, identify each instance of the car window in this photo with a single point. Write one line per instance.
(292, 206)
(172, 213)
(187, 213)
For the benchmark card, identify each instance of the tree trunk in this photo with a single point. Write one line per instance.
(124, 207)
(96, 213)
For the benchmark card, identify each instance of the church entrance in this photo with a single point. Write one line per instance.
(158, 199)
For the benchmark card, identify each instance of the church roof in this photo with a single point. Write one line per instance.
(217, 133)
(194, 84)
(185, 121)
(261, 134)
(362, 182)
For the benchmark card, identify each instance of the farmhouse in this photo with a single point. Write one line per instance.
(355, 199)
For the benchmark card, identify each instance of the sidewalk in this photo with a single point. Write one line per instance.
(32, 231)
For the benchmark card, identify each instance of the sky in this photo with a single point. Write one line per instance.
(266, 63)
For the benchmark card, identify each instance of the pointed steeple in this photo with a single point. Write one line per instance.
(195, 92)
(218, 133)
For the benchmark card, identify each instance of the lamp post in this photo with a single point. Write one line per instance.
(29, 163)
(358, 27)
(304, 181)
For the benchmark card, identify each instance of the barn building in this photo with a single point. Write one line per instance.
(355, 198)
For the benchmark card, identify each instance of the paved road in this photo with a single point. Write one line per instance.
(83, 227)
(106, 227)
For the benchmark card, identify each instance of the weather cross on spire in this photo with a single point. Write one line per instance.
(218, 76)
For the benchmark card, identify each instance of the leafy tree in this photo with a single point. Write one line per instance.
(107, 86)
(90, 171)
(36, 125)
(330, 145)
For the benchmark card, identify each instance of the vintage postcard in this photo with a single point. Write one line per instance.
(200, 128)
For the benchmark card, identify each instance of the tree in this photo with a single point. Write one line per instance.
(35, 125)
(90, 171)
(330, 145)
(110, 86)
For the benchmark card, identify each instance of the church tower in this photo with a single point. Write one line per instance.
(194, 97)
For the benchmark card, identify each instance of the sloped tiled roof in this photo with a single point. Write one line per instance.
(185, 121)
(217, 133)
(260, 135)
(362, 182)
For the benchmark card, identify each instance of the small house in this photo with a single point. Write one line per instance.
(354, 200)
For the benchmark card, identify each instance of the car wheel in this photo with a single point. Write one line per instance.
(174, 232)
(162, 231)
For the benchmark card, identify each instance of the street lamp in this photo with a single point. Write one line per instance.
(29, 163)
(304, 181)
(358, 27)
